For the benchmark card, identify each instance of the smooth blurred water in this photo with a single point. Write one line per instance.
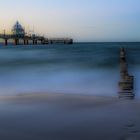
(82, 68)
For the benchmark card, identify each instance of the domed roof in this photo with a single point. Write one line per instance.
(17, 26)
(18, 29)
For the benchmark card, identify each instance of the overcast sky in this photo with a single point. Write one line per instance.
(84, 20)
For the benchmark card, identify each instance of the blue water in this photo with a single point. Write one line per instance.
(81, 68)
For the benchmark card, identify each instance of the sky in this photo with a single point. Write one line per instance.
(83, 20)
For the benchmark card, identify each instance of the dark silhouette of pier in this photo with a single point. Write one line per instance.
(18, 34)
(34, 39)
(126, 83)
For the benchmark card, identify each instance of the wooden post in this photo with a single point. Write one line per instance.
(6, 42)
(126, 83)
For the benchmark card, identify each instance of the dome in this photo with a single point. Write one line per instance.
(18, 30)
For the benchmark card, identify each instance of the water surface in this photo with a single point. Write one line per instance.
(81, 68)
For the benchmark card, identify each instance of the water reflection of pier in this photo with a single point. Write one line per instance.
(18, 34)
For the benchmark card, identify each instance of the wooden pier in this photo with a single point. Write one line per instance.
(34, 39)
(18, 33)
(126, 84)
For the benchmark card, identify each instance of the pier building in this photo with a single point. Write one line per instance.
(18, 30)
(18, 33)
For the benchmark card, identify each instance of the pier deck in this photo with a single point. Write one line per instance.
(34, 39)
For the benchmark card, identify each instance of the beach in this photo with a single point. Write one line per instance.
(42, 116)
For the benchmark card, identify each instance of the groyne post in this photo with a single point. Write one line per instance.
(126, 84)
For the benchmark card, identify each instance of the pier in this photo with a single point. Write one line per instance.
(126, 84)
(18, 34)
(34, 39)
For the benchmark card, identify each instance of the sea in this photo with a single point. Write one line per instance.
(80, 68)
(87, 69)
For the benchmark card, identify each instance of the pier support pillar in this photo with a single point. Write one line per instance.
(25, 41)
(42, 41)
(36, 42)
(33, 42)
(6, 42)
(16, 42)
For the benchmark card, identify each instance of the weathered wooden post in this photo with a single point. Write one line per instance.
(126, 84)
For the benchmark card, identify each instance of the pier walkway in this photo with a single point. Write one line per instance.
(34, 39)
